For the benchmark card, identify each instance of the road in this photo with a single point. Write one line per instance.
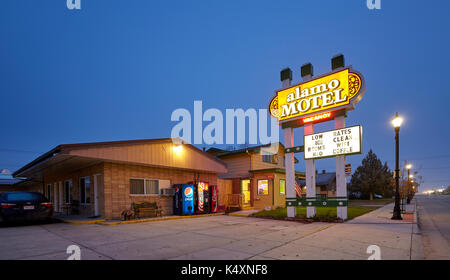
(434, 222)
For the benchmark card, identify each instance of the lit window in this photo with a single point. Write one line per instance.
(282, 186)
(263, 187)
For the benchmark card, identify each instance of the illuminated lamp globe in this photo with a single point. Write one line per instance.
(397, 121)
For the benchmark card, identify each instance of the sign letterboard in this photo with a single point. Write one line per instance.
(344, 141)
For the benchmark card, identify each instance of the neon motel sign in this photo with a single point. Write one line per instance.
(316, 100)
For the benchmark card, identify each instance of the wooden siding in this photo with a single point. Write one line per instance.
(225, 188)
(238, 166)
(258, 163)
(153, 154)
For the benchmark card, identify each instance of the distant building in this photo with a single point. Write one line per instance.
(9, 184)
(325, 184)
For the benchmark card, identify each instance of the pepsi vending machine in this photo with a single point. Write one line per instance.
(187, 201)
(183, 199)
(214, 198)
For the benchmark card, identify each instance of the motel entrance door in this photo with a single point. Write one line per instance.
(245, 192)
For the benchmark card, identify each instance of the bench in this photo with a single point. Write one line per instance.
(140, 208)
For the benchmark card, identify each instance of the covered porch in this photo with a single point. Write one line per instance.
(73, 184)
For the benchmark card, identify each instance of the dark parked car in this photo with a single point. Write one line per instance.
(25, 206)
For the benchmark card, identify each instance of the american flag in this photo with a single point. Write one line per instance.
(298, 189)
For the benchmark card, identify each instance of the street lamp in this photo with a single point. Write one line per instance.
(397, 122)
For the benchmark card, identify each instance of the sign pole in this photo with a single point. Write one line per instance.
(341, 182)
(310, 170)
(310, 174)
(288, 132)
(338, 62)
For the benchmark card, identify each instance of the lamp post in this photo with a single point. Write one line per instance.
(408, 195)
(397, 122)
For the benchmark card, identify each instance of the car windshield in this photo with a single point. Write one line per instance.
(23, 196)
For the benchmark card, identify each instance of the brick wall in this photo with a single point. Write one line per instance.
(117, 186)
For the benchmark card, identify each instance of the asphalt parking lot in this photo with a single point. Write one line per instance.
(210, 238)
(218, 237)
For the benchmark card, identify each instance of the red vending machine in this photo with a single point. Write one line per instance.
(214, 197)
(202, 200)
(202, 197)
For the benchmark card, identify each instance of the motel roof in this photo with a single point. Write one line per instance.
(220, 153)
(146, 152)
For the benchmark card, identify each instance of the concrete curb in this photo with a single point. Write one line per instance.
(114, 223)
(80, 222)
(416, 237)
(239, 215)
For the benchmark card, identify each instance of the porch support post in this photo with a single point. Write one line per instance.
(60, 192)
(55, 197)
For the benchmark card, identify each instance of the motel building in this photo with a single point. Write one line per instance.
(256, 176)
(104, 179)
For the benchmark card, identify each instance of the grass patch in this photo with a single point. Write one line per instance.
(324, 214)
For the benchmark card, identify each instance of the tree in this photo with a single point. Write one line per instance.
(372, 177)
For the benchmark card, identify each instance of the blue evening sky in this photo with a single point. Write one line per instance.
(116, 69)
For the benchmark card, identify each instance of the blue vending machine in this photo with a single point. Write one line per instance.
(187, 200)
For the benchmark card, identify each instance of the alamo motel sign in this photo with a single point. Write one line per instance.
(324, 98)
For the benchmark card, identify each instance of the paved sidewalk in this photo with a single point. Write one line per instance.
(383, 215)
(244, 213)
(218, 237)
(397, 240)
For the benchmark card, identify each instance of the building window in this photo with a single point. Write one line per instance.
(269, 158)
(263, 187)
(282, 186)
(85, 190)
(68, 191)
(49, 192)
(144, 186)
